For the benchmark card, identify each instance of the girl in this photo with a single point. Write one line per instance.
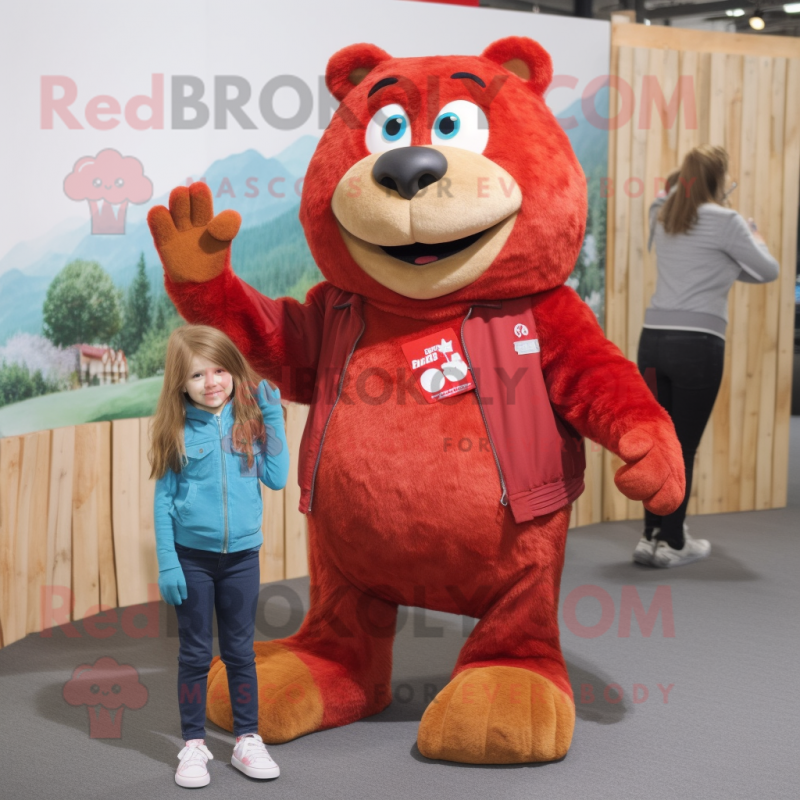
(216, 432)
(702, 248)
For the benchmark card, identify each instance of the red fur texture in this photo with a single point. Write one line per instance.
(536, 59)
(350, 65)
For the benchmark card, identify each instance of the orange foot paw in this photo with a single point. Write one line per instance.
(290, 704)
(497, 715)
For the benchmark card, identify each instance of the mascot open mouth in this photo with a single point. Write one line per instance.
(438, 239)
(420, 253)
(422, 270)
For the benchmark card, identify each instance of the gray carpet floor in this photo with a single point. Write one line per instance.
(727, 728)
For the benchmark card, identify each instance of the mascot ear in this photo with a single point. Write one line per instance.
(525, 58)
(350, 66)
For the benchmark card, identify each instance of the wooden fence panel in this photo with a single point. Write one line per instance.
(21, 532)
(703, 97)
(147, 529)
(769, 196)
(105, 530)
(273, 551)
(752, 105)
(655, 177)
(615, 505)
(637, 217)
(716, 100)
(669, 150)
(131, 578)
(32, 517)
(785, 348)
(689, 88)
(737, 299)
(590, 503)
(57, 598)
(85, 518)
(13, 595)
(296, 525)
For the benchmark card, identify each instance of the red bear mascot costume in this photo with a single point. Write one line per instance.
(450, 375)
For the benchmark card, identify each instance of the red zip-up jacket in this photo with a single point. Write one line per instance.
(562, 389)
(540, 460)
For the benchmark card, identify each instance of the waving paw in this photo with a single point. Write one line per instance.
(194, 245)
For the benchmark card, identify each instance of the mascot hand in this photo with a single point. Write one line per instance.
(653, 472)
(194, 245)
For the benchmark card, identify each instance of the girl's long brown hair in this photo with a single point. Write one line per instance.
(701, 180)
(168, 450)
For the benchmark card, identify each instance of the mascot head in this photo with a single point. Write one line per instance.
(443, 180)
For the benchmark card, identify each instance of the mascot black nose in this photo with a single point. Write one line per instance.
(407, 170)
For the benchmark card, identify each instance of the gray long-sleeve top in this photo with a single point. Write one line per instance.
(697, 269)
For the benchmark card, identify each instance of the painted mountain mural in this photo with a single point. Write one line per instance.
(270, 253)
(262, 190)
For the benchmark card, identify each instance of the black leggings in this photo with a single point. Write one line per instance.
(684, 369)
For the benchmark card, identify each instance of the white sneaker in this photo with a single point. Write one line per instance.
(643, 552)
(693, 550)
(251, 757)
(192, 771)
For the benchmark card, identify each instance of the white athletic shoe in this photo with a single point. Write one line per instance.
(192, 771)
(693, 550)
(251, 757)
(643, 552)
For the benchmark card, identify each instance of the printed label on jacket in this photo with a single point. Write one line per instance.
(527, 346)
(439, 366)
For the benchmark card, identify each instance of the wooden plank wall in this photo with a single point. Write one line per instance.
(741, 92)
(76, 523)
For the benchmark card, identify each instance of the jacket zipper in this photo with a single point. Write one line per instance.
(327, 421)
(224, 489)
(504, 496)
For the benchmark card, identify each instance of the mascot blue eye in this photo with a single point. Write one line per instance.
(394, 128)
(388, 129)
(461, 124)
(447, 125)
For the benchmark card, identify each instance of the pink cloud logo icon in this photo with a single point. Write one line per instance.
(106, 688)
(109, 181)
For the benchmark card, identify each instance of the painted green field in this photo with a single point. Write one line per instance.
(92, 404)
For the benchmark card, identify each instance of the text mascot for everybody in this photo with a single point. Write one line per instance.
(450, 375)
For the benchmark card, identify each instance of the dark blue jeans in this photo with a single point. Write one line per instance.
(684, 368)
(228, 582)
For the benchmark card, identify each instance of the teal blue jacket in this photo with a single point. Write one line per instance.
(214, 502)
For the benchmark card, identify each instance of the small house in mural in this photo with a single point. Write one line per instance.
(99, 365)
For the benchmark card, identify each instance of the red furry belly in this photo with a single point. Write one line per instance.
(404, 484)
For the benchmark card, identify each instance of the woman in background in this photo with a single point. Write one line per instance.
(702, 247)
